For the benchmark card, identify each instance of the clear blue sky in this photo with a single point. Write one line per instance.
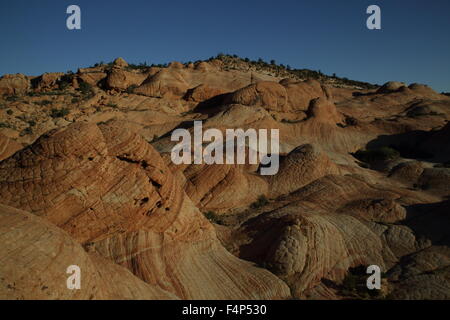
(330, 35)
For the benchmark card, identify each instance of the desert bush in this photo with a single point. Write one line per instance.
(131, 88)
(140, 66)
(43, 103)
(86, 89)
(59, 113)
(5, 125)
(212, 216)
(262, 201)
(12, 98)
(26, 131)
(9, 112)
(63, 85)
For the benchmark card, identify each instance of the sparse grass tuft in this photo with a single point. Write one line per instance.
(262, 201)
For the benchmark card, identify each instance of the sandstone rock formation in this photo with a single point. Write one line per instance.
(14, 84)
(301, 166)
(130, 216)
(122, 80)
(166, 83)
(86, 178)
(8, 147)
(37, 255)
(120, 62)
(266, 94)
(390, 86)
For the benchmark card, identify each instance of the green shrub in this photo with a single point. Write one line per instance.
(63, 85)
(377, 154)
(26, 131)
(12, 98)
(86, 89)
(262, 201)
(140, 66)
(59, 113)
(212, 216)
(43, 103)
(131, 88)
(5, 125)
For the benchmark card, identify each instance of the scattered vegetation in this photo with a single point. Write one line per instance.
(354, 285)
(260, 65)
(213, 217)
(59, 113)
(86, 90)
(12, 98)
(43, 103)
(26, 131)
(262, 201)
(63, 85)
(48, 93)
(377, 154)
(5, 125)
(140, 66)
(9, 112)
(281, 69)
(112, 105)
(131, 88)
